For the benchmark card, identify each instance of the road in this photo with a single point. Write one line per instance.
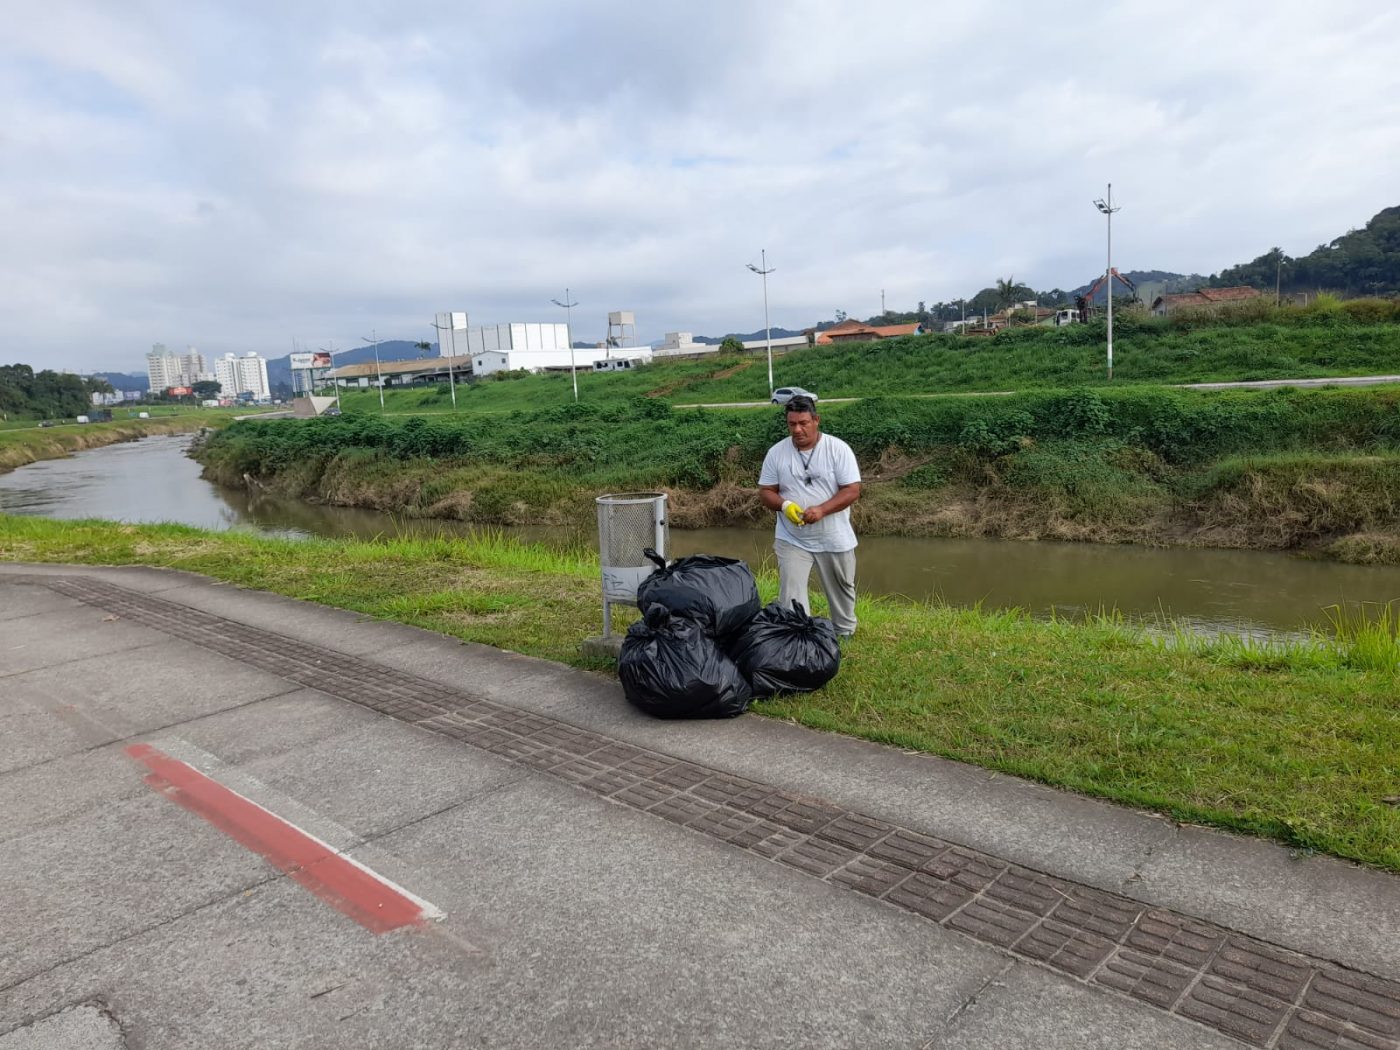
(1254, 384)
(236, 820)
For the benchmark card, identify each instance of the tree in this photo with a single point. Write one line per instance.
(206, 389)
(424, 346)
(840, 316)
(730, 345)
(1008, 292)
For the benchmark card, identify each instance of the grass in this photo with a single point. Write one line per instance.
(1299, 742)
(21, 446)
(1285, 344)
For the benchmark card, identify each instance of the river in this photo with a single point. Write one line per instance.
(153, 480)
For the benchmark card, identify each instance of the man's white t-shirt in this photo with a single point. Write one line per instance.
(808, 478)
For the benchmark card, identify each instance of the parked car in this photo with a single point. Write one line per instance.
(47, 423)
(784, 394)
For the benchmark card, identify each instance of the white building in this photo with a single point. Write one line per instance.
(165, 369)
(682, 344)
(242, 375)
(452, 333)
(536, 346)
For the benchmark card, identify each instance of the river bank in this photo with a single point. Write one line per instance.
(21, 447)
(1316, 471)
(1293, 741)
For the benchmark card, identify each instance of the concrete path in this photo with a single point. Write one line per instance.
(235, 820)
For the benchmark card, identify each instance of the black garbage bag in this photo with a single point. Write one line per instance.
(787, 651)
(671, 668)
(717, 593)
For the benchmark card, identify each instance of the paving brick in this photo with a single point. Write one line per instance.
(1312, 1031)
(1066, 948)
(1174, 937)
(871, 876)
(966, 868)
(731, 790)
(681, 775)
(776, 841)
(644, 795)
(608, 781)
(991, 921)
(908, 849)
(682, 809)
(855, 831)
(1153, 980)
(929, 896)
(816, 857)
(615, 754)
(577, 770)
(1235, 1010)
(758, 833)
(727, 824)
(800, 814)
(1367, 1002)
(1264, 969)
(1105, 914)
(1028, 891)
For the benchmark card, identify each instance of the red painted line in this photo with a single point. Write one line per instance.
(346, 885)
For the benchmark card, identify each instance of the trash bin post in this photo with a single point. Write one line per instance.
(628, 523)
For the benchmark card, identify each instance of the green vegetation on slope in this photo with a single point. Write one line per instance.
(18, 447)
(1284, 468)
(1296, 742)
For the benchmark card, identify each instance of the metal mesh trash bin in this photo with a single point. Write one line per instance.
(628, 523)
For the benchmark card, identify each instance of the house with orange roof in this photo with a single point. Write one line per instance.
(1202, 299)
(860, 332)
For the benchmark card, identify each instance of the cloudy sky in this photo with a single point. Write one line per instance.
(236, 176)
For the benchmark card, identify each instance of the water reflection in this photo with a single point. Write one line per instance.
(153, 481)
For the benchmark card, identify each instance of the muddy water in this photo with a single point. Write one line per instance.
(153, 480)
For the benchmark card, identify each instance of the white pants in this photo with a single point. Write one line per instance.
(836, 571)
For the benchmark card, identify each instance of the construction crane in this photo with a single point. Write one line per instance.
(1083, 302)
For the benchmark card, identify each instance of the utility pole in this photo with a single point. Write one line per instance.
(378, 376)
(451, 380)
(1106, 206)
(763, 271)
(568, 304)
(883, 311)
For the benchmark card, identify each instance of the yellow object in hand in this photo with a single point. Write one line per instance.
(793, 512)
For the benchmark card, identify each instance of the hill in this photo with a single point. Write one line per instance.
(124, 380)
(1360, 262)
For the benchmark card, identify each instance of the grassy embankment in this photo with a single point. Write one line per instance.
(1259, 343)
(1287, 469)
(1296, 742)
(27, 444)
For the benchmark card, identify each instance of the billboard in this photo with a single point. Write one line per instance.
(299, 362)
(179, 391)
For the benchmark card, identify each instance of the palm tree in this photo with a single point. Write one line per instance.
(1008, 292)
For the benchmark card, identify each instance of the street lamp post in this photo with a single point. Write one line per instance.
(568, 304)
(763, 271)
(451, 380)
(378, 376)
(1106, 206)
(335, 383)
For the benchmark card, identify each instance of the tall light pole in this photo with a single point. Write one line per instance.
(378, 376)
(568, 304)
(763, 271)
(335, 383)
(1106, 206)
(451, 381)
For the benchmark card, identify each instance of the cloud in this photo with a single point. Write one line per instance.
(234, 178)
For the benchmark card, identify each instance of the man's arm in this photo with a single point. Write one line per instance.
(768, 496)
(845, 496)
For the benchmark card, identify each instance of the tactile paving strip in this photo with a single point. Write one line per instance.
(1257, 993)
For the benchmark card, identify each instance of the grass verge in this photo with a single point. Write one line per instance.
(1297, 742)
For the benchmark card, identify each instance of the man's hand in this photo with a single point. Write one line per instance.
(793, 512)
(812, 515)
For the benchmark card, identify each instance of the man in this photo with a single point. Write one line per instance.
(810, 482)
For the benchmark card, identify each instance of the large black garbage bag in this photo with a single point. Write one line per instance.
(717, 593)
(671, 668)
(787, 651)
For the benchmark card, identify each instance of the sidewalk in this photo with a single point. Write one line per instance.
(569, 873)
